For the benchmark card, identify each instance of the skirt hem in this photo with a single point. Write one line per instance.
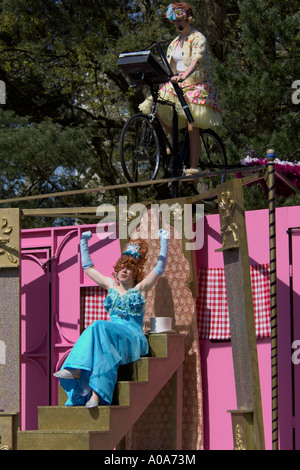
(204, 116)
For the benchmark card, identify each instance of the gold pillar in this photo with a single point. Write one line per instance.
(9, 326)
(247, 421)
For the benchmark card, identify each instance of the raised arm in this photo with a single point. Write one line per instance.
(149, 281)
(88, 264)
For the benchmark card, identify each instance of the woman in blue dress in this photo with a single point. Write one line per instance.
(89, 373)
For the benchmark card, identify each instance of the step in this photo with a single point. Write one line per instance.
(63, 418)
(123, 390)
(55, 440)
(137, 370)
(158, 344)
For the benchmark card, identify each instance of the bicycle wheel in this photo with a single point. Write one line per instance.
(212, 159)
(139, 149)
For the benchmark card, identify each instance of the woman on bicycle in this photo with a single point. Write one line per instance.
(188, 57)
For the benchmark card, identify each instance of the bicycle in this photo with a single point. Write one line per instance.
(144, 144)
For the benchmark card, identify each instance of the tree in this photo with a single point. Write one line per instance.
(62, 77)
(65, 95)
(256, 76)
(256, 60)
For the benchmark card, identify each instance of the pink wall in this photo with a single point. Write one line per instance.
(50, 319)
(217, 369)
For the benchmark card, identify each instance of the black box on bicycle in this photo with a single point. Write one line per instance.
(143, 67)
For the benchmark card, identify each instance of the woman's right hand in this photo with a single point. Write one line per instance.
(86, 235)
(178, 78)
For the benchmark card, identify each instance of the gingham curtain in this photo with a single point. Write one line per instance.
(91, 305)
(212, 307)
(211, 304)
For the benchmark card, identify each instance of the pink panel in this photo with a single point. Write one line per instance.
(258, 242)
(295, 334)
(104, 251)
(65, 315)
(65, 285)
(218, 394)
(33, 238)
(207, 256)
(286, 217)
(264, 365)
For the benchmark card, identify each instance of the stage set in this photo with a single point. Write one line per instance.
(225, 377)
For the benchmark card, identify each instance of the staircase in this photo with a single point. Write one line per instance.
(102, 428)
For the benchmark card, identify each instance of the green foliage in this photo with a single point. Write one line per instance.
(255, 77)
(256, 64)
(67, 99)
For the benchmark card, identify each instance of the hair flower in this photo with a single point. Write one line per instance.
(132, 250)
(170, 13)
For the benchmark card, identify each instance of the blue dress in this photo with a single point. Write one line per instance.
(105, 345)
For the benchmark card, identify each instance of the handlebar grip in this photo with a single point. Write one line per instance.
(183, 103)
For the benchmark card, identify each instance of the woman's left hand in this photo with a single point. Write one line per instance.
(178, 78)
(163, 234)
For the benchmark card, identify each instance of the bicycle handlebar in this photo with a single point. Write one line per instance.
(177, 88)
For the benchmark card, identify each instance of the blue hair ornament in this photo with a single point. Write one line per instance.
(170, 13)
(132, 250)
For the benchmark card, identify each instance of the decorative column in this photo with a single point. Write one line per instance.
(273, 295)
(247, 421)
(9, 326)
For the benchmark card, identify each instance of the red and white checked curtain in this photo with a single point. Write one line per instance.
(211, 304)
(91, 299)
(212, 307)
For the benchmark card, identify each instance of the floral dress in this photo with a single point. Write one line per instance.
(199, 90)
(105, 345)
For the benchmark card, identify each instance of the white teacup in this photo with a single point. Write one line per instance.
(160, 324)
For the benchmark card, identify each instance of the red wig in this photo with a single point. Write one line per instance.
(136, 264)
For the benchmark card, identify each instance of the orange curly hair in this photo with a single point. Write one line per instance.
(135, 264)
